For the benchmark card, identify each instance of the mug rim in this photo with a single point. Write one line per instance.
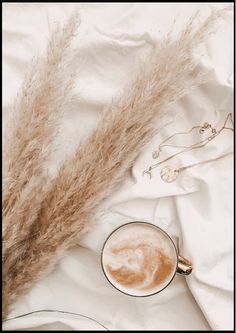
(153, 225)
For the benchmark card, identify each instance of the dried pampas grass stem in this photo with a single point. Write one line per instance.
(29, 129)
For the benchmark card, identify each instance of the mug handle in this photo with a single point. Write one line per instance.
(184, 266)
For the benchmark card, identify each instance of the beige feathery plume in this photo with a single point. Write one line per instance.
(100, 163)
(29, 131)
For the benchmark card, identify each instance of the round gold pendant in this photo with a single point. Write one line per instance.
(169, 174)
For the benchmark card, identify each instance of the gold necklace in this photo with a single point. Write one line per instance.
(202, 143)
(169, 173)
(202, 129)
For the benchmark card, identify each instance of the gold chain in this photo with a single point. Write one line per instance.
(200, 144)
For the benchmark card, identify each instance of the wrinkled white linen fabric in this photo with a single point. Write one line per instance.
(197, 208)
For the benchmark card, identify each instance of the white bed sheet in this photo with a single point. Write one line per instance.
(197, 208)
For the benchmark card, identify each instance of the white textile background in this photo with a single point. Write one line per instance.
(197, 208)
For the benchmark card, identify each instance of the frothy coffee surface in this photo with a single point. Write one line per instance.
(139, 259)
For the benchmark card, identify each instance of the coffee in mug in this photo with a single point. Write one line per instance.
(140, 259)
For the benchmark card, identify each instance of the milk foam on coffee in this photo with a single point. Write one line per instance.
(139, 259)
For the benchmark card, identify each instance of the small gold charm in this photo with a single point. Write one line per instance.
(169, 174)
(147, 172)
(156, 153)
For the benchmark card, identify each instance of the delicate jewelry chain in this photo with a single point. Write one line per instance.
(204, 162)
(169, 173)
(202, 129)
(204, 142)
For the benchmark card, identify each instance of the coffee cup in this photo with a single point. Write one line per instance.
(140, 259)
